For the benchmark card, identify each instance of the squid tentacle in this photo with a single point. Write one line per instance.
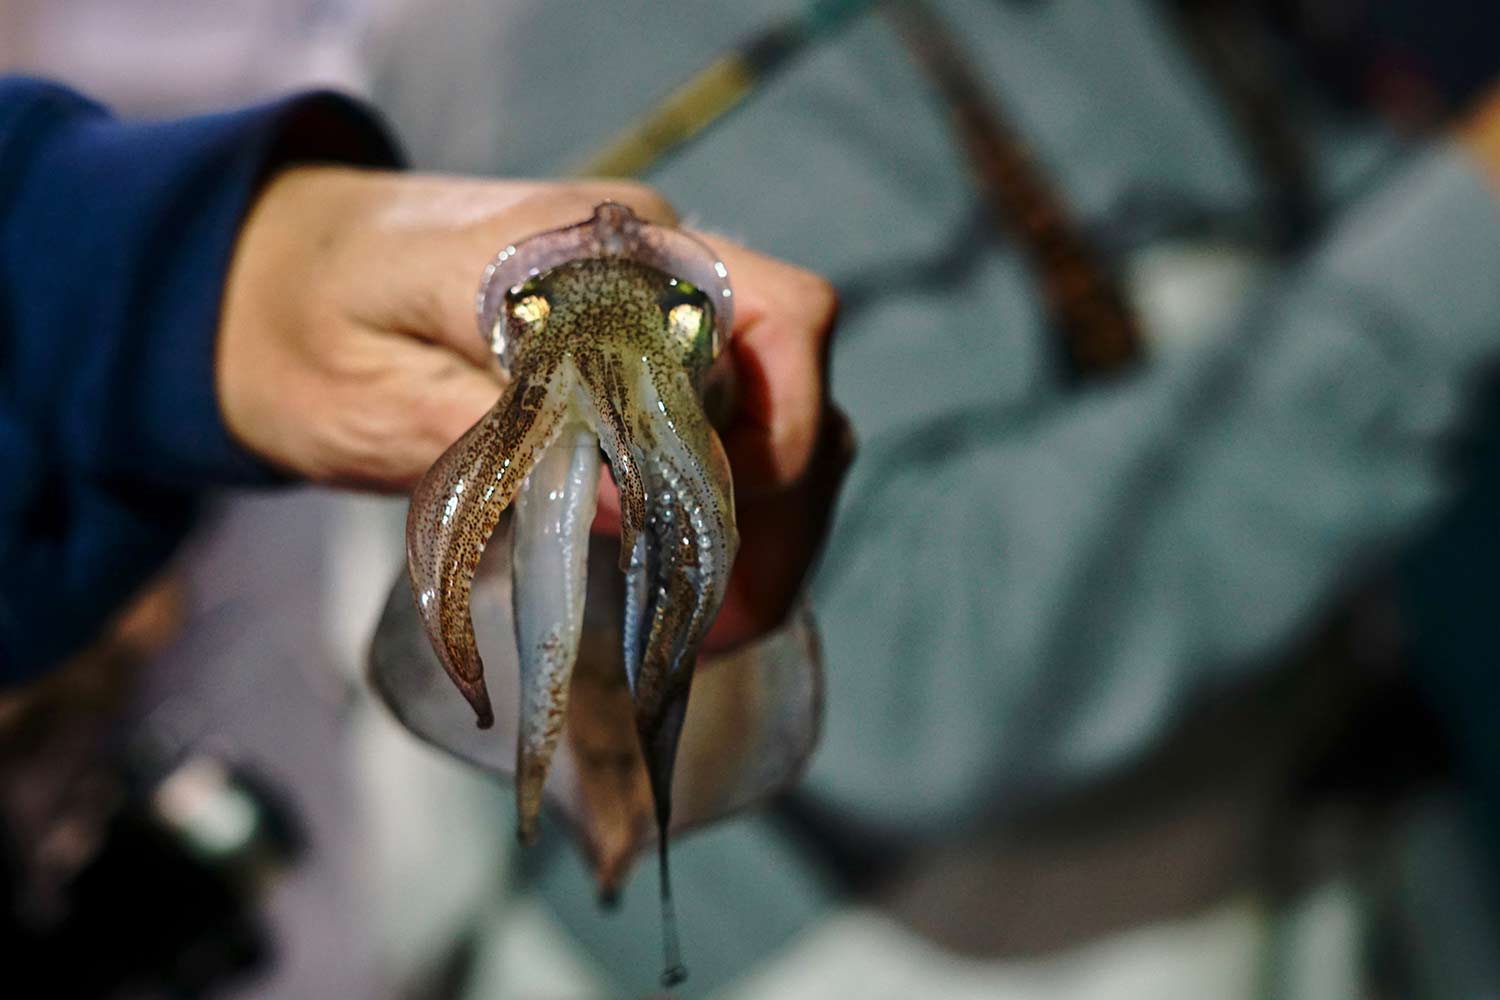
(455, 509)
(549, 564)
(690, 543)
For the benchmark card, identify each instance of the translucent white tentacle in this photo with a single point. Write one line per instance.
(554, 511)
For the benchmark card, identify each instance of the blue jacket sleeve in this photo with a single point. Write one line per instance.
(115, 239)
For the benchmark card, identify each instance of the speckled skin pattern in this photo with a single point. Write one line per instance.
(623, 349)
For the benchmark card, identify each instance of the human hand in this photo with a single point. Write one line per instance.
(348, 353)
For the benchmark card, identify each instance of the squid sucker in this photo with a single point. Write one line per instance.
(609, 331)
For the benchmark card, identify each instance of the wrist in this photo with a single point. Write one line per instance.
(283, 282)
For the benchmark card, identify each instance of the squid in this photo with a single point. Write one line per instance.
(613, 335)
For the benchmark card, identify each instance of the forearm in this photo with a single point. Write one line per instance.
(1041, 602)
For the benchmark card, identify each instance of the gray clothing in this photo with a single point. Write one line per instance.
(1026, 589)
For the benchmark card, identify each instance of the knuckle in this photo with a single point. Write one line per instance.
(822, 294)
(816, 299)
(366, 439)
(817, 302)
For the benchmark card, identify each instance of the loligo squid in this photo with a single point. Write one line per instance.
(612, 333)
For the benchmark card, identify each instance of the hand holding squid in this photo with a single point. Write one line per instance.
(347, 352)
(347, 355)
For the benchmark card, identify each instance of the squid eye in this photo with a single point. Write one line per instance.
(690, 320)
(525, 310)
(531, 310)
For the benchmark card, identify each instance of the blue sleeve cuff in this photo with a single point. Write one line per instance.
(120, 235)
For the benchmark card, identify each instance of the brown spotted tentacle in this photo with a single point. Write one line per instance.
(676, 576)
(454, 511)
(679, 568)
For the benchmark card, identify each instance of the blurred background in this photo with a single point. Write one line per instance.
(1159, 618)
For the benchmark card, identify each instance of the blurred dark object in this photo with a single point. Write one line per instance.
(131, 858)
(1235, 52)
(162, 902)
(1097, 330)
(1451, 603)
(1416, 60)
